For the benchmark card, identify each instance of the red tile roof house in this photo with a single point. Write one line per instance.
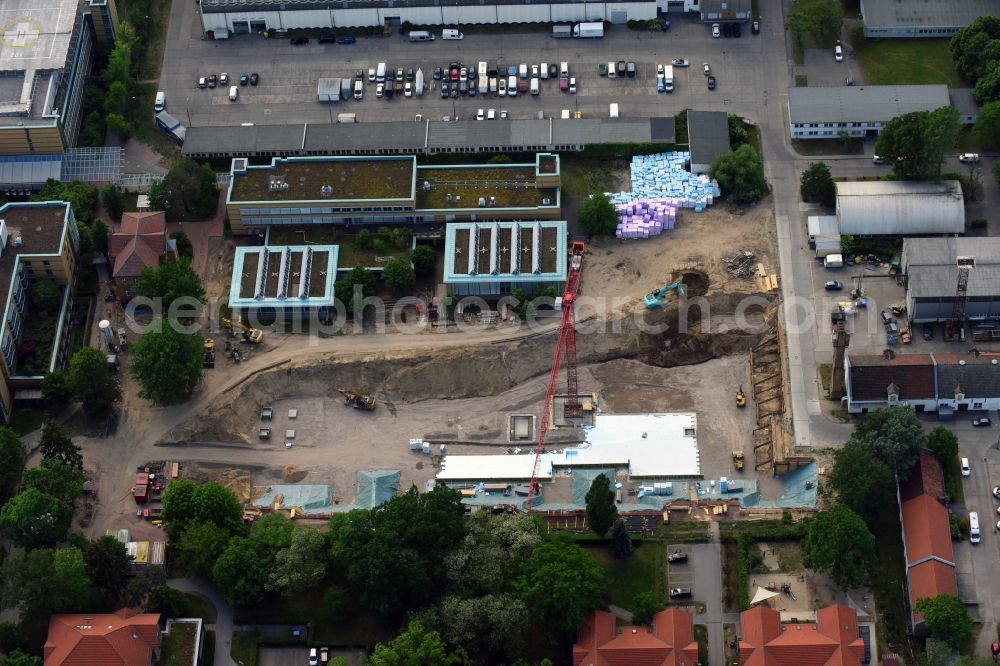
(833, 641)
(930, 559)
(670, 641)
(140, 242)
(123, 638)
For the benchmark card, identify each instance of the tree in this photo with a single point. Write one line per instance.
(11, 638)
(272, 532)
(399, 276)
(621, 542)
(740, 175)
(645, 606)
(838, 542)
(416, 647)
(82, 197)
(200, 545)
(55, 478)
(358, 282)
(560, 584)
(116, 99)
(144, 582)
(167, 601)
(45, 296)
(189, 191)
(500, 158)
(859, 481)
(169, 282)
(916, 143)
(107, 563)
(987, 88)
(55, 391)
(943, 443)
(44, 581)
(492, 553)
(302, 565)
(598, 216)
(424, 260)
(91, 382)
(988, 124)
(113, 201)
(487, 628)
(816, 185)
(739, 131)
(167, 364)
(185, 250)
(893, 435)
(241, 572)
(947, 619)
(186, 503)
(12, 457)
(32, 518)
(601, 509)
(976, 46)
(18, 658)
(56, 444)
(819, 18)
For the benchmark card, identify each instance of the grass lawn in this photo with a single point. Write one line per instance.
(581, 176)
(645, 571)
(349, 256)
(243, 648)
(23, 421)
(195, 606)
(953, 474)
(178, 645)
(701, 635)
(825, 375)
(686, 531)
(820, 147)
(907, 61)
(789, 555)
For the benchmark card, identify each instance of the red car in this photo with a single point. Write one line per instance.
(453, 73)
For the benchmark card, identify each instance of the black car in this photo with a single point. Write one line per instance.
(755, 27)
(360, 76)
(327, 40)
(410, 75)
(928, 332)
(244, 79)
(212, 80)
(346, 40)
(471, 74)
(444, 90)
(553, 71)
(833, 285)
(454, 92)
(727, 29)
(736, 30)
(438, 73)
(677, 557)
(711, 83)
(680, 593)
(620, 68)
(254, 79)
(299, 41)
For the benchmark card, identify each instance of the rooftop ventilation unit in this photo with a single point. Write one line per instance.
(473, 248)
(515, 249)
(261, 274)
(277, 184)
(326, 190)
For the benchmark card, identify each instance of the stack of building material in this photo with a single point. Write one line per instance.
(663, 176)
(646, 218)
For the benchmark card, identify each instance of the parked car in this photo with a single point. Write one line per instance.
(410, 75)
(299, 41)
(996, 492)
(224, 79)
(838, 53)
(313, 657)
(444, 90)
(877, 160)
(755, 27)
(327, 40)
(512, 70)
(833, 285)
(553, 71)
(502, 87)
(630, 69)
(969, 158)
(202, 82)
(244, 79)
(716, 30)
(928, 331)
(481, 114)
(212, 80)
(503, 114)
(463, 74)
(727, 30)
(982, 422)
(620, 68)
(346, 40)
(677, 557)
(707, 70)
(254, 79)
(379, 91)
(679, 62)
(324, 654)
(680, 593)
(711, 83)
(453, 73)
(659, 70)
(736, 30)
(534, 72)
(438, 73)
(472, 74)
(408, 89)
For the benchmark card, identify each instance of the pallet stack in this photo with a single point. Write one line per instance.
(665, 176)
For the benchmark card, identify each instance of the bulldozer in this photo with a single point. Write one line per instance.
(741, 398)
(738, 462)
(365, 401)
(655, 299)
(254, 335)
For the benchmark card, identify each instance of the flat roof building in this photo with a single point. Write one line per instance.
(708, 136)
(275, 279)
(900, 208)
(931, 269)
(916, 18)
(861, 111)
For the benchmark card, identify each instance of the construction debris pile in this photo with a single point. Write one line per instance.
(646, 218)
(742, 265)
(664, 176)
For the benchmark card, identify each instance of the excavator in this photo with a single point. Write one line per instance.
(254, 335)
(741, 398)
(357, 400)
(655, 299)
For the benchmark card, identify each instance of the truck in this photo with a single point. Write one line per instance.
(170, 125)
(421, 36)
(328, 90)
(562, 31)
(483, 80)
(668, 78)
(347, 118)
(588, 30)
(614, 110)
(833, 261)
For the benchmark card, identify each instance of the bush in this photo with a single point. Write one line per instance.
(959, 528)
(184, 248)
(424, 260)
(978, 223)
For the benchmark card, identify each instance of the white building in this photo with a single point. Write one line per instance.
(915, 18)
(861, 111)
(900, 208)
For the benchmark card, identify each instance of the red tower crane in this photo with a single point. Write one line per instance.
(565, 344)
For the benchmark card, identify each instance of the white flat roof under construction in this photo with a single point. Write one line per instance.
(657, 446)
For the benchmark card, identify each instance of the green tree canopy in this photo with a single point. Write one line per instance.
(302, 565)
(947, 619)
(860, 481)
(820, 19)
(167, 364)
(399, 276)
(55, 390)
(91, 382)
(113, 201)
(740, 175)
(943, 443)
(424, 260)
(44, 581)
(987, 88)
(200, 545)
(645, 606)
(184, 247)
(359, 279)
(189, 191)
(186, 503)
(167, 601)
(12, 457)
(99, 235)
(56, 478)
(598, 216)
(916, 143)
(560, 584)
(241, 572)
(141, 584)
(838, 542)
(273, 532)
(18, 658)
(81, 196)
(988, 124)
(45, 296)
(489, 628)
(601, 509)
(56, 444)
(416, 647)
(976, 46)
(169, 282)
(893, 435)
(32, 518)
(492, 553)
(621, 543)
(107, 563)
(816, 185)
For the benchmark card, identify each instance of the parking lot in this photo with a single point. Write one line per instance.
(288, 74)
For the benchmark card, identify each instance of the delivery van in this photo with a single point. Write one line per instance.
(451, 33)
(534, 87)
(234, 93)
(975, 536)
(380, 72)
(161, 102)
(833, 261)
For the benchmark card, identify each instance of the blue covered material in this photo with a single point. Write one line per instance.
(665, 176)
(801, 488)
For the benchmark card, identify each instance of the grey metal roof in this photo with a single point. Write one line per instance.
(495, 133)
(241, 140)
(353, 136)
(931, 266)
(852, 104)
(977, 376)
(926, 13)
(901, 208)
(963, 101)
(945, 251)
(29, 171)
(216, 6)
(708, 135)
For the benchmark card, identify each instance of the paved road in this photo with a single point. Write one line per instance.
(223, 615)
(705, 560)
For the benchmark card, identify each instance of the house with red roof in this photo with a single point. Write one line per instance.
(140, 242)
(122, 638)
(833, 641)
(668, 642)
(927, 548)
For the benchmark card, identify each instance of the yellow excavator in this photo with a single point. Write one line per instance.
(254, 335)
(741, 398)
(365, 401)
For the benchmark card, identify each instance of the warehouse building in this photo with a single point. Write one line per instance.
(914, 18)
(431, 137)
(931, 268)
(46, 55)
(220, 18)
(861, 111)
(708, 137)
(900, 208)
(726, 11)
(302, 191)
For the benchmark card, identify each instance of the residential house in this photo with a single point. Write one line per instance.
(833, 640)
(669, 642)
(140, 242)
(927, 549)
(122, 638)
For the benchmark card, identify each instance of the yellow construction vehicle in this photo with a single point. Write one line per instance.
(741, 398)
(209, 345)
(738, 460)
(254, 335)
(357, 400)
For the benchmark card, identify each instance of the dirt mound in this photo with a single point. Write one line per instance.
(237, 480)
(293, 473)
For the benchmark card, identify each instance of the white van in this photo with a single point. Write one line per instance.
(359, 89)
(966, 471)
(563, 69)
(491, 114)
(614, 110)
(833, 261)
(544, 70)
(511, 86)
(161, 102)
(522, 70)
(380, 72)
(234, 93)
(534, 87)
(612, 72)
(421, 36)
(975, 536)
(451, 33)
